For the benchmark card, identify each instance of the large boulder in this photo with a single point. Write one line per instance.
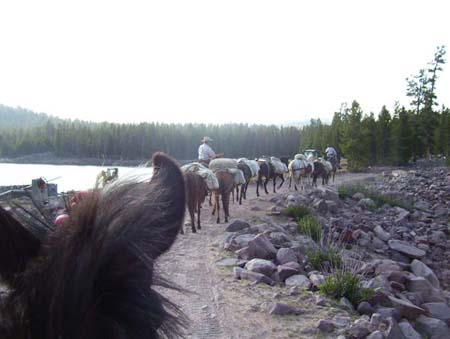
(285, 255)
(262, 266)
(408, 331)
(254, 277)
(285, 271)
(261, 247)
(407, 249)
(284, 309)
(407, 310)
(237, 225)
(422, 270)
(423, 287)
(438, 310)
(299, 280)
(381, 233)
(432, 328)
(393, 331)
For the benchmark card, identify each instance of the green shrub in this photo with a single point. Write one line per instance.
(310, 227)
(296, 212)
(347, 191)
(325, 259)
(345, 284)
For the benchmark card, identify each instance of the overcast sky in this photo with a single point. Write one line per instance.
(215, 61)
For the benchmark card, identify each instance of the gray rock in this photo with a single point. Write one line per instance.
(423, 287)
(376, 335)
(407, 310)
(285, 255)
(286, 271)
(262, 266)
(284, 309)
(438, 310)
(375, 321)
(242, 240)
(358, 196)
(408, 331)
(407, 249)
(379, 244)
(422, 270)
(346, 304)
(341, 321)
(325, 325)
(388, 312)
(321, 206)
(358, 332)
(298, 280)
(402, 215)
(367, 203)
(393, 331)
(365, 308)
(261, 247)
(432, 328)
(254, 277)
(243, 253)
(381, 233)
(237, 225)
(316, 279)
(279, 239)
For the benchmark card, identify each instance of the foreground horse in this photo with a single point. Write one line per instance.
(91, 276)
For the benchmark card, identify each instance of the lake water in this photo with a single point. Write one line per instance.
(66, 177)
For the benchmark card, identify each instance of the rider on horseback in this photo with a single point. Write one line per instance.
(331, 153)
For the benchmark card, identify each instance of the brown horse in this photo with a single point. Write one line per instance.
(90, 277)
(246, 170)
(226, 186)
(196, 192)
(320, 171)
(267, 171)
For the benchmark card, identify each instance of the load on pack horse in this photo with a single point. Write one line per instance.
(300, 168)
(271, 168)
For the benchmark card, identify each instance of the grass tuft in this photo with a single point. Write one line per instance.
(325, 259)
(345, 284)
(310, 227)
(296, 212)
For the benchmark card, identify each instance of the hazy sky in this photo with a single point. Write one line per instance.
(215, 61)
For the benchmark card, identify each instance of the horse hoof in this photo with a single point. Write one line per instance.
(194, 230)
(218, 221)
(198, 226)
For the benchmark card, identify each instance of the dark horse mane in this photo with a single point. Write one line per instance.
(91, 276)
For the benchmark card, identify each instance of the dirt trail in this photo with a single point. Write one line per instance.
(220, 306)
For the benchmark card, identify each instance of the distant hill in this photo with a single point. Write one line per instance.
(17, 118)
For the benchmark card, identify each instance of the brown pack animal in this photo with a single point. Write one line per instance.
(91, 276)
(246, 170)
(267, 171)
(196, 192)
(226, 186)
(320, 171)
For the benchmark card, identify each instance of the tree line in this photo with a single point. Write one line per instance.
(140, 141)
(392, 137)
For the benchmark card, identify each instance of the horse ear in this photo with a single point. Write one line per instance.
(169, 192)
(17, 246)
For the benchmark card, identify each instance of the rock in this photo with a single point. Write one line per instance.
(237, 225)
(381, 233)
(358, 196)
(402, 215)
(375, 322)
(365, 308)
(423, 287)
(432, 328)
(341, 321)
(407, 249)
(286, 271)
(376, 335)
(325, 325)
(320, 301)
(407, 310)
(243, 253)
(261, 247)
(228, 262)
(242, 240)
(316, 279)
(394, 331)
(284, 309)
(389, 312)
(254, 277)
(279, 239)
(285, 255)
(367, 203)
(422, 270)
(298, 280)
(408, 331)
(438, 310)
(346, 304)
(397, 276)
(379, 244)
(358, 331)
(262, 266)
(321, 206)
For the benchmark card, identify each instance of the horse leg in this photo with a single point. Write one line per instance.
(258, 182)
(226, 205)
(192, 214)
(216, 203)
(210, 198)
(274, 183)
(199, 207)
(282, 181)
(265, 184)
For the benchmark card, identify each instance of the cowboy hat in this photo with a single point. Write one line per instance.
(206, 139)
